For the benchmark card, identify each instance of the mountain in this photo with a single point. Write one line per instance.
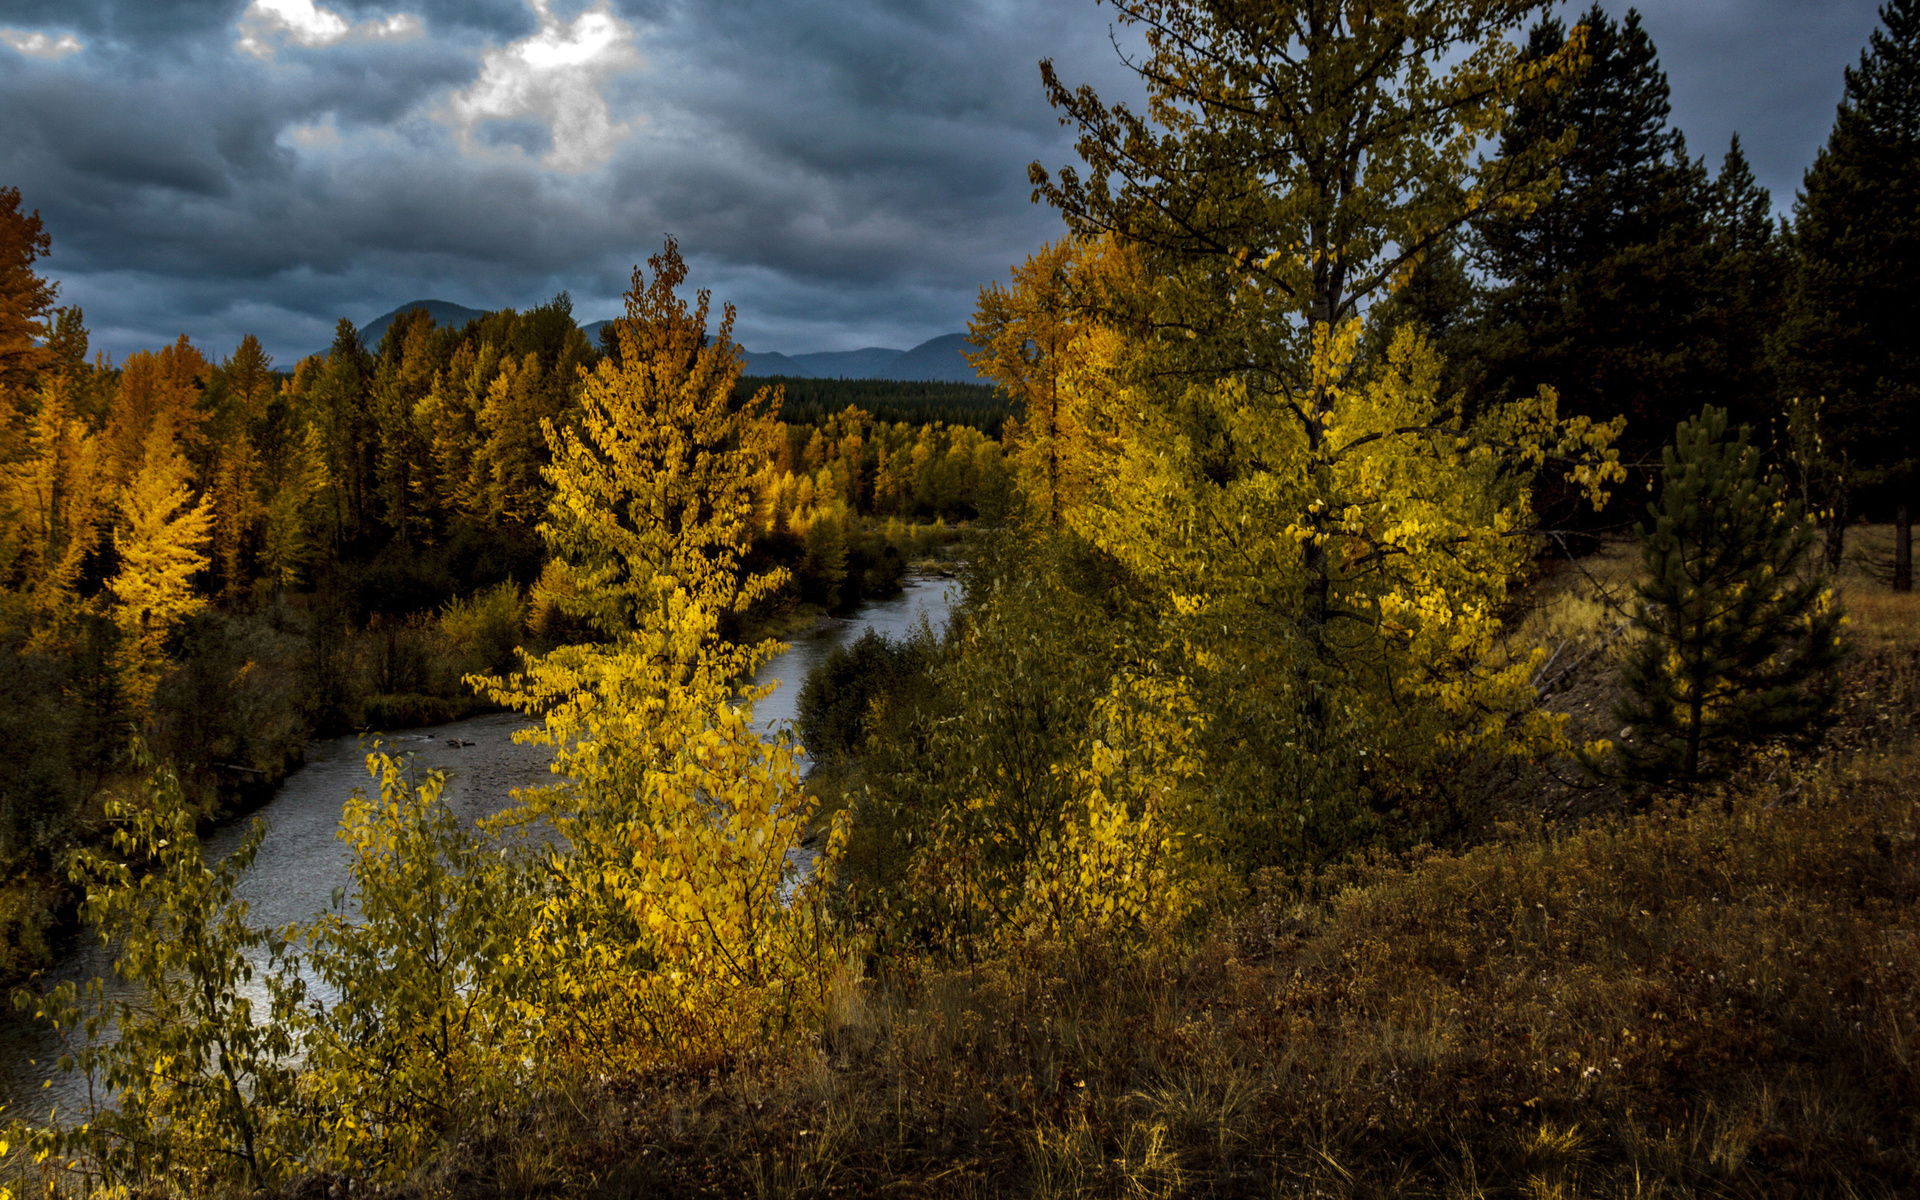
(445, 314)
(869, 363)
(825, 364)
(941, 360)
(938, 360)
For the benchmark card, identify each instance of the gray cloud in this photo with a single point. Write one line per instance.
(848, 172)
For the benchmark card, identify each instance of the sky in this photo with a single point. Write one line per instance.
(848, 173)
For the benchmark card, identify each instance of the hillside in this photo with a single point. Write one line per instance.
(811, 401)
(1706, 999)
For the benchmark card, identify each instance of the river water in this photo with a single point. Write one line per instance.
(301, 862)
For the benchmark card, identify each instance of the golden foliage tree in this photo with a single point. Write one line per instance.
(58, 494)
(677, 914)
(1025, 332)
(159, 393)
(161, 539)
(653, 478)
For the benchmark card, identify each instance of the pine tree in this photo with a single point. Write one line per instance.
(1747, 262)
(244, 386)
(339, 409)
(1854, 296)
(1737, 639)
(1602, 291)
(403, 376)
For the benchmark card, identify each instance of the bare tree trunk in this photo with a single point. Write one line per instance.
(1902, 549)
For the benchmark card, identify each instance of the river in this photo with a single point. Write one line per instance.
(301, 862)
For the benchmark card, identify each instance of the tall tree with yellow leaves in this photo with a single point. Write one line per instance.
(1331, 540)
(58, 494)
(676, 918)
(161, 540)
(158, 393)
(653, 480)
(1024, 332)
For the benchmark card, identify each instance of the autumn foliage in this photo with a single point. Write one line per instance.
(1254, 826)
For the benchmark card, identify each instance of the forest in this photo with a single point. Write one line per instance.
(234, 559)
(1431, 708)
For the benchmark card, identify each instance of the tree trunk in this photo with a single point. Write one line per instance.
(1836, 531)
(1902, 549)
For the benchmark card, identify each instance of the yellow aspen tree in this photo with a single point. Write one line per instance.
(1331, 539)
(161, 540)
(1136, 858)
(679, 917)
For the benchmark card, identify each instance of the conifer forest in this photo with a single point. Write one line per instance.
(1428, 709)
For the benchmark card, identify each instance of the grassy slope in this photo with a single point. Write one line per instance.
(1714, 1000)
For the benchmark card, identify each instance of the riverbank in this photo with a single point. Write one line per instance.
(251, 691)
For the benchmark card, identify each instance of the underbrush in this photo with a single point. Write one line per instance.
(1715, 1001)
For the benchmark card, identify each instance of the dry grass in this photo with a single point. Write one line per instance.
(1702, 1003)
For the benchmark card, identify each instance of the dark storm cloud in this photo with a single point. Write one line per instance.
(847, 172)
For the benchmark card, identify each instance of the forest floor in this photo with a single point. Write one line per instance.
(1715, 996)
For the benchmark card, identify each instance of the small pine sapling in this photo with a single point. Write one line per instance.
(1738, 638)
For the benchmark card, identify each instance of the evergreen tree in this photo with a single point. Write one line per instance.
(403, 375)
(1746, 272)
(341, 412)
(1737, 639)
(1603, 291)
(1854, 298)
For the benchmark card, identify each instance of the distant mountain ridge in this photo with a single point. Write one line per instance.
(445, 313)
(937, 360)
